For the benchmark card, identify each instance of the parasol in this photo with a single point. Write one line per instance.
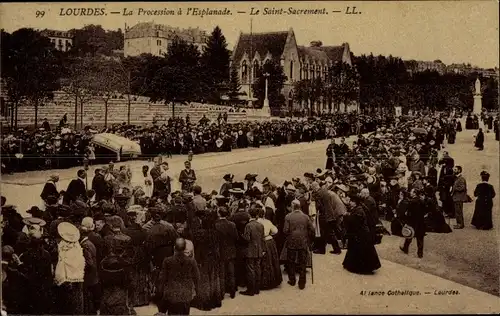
(117, 144)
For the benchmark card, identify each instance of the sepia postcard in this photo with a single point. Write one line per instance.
(250, 158)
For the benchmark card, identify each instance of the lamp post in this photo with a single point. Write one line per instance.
(266, 99)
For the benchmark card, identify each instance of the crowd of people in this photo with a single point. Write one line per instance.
(61, 147)
(116, 246)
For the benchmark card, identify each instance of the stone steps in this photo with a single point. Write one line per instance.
(141, 112)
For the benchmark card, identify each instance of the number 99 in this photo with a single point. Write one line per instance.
(40, 14)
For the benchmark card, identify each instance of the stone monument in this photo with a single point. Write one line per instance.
(478, 99)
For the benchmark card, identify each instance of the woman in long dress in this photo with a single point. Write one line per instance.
(484, 193)
(479, 143)
(271, 272)
(361, 256)
(207, 254)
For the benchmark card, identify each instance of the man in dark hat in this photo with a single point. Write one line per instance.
(227, 185)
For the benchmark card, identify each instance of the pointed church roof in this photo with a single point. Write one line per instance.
(262, 43)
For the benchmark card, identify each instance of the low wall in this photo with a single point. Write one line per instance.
(141, 112)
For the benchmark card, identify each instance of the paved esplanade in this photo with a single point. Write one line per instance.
(334, 290)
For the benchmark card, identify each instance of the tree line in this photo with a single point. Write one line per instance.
(32, 69)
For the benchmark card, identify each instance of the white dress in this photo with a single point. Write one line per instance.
(148, 188)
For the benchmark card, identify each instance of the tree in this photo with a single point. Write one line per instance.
(78, 83)
(31, 68)
(276, 80)
(107, 80)
(215, 63)
(234, 86)
(92, 40)
(344, 82)
(175, 78)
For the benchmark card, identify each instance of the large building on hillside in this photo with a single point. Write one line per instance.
(298, 62)
(62, 40)
(151, 38)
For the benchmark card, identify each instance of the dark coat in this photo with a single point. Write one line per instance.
(160, 242)
(254, 235)
(329, 205)
(90, 254)
(49, 189)
(415, 216)
(155, 172)
(98, 243)
(299, 230)
(228, 237)
(224, 189)
(100, 187)
(479, 143)
(179, 275)
(76, 190)
(161, 188)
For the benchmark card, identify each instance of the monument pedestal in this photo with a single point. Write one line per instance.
(266, 110)
(478, 104)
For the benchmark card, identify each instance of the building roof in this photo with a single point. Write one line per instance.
(313, 54)
(322, 54)
(262, 43)
(151, 29)
(57, 33)
(334, 53)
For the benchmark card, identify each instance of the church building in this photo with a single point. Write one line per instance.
(298, 62)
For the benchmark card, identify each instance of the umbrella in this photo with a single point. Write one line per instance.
(419, 130)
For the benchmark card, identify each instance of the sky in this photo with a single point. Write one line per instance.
(452, 31)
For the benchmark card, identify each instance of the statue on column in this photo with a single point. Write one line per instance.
(478, 87)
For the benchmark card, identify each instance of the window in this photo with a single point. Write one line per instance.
(158, 42)
(60, 42)
(291, 70)
(244, 71)
(255, 69)
(312, 71)
(306, 72)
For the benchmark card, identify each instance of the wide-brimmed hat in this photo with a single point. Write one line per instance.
(68, 232)
(30, 221)
(342, 187)
(407, 232)
(251, 176)
(228, 177)
(290, 187)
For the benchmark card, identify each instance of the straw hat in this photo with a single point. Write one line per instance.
(68, 232)
(407, 232)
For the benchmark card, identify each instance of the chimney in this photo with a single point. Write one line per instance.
(316, 44)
